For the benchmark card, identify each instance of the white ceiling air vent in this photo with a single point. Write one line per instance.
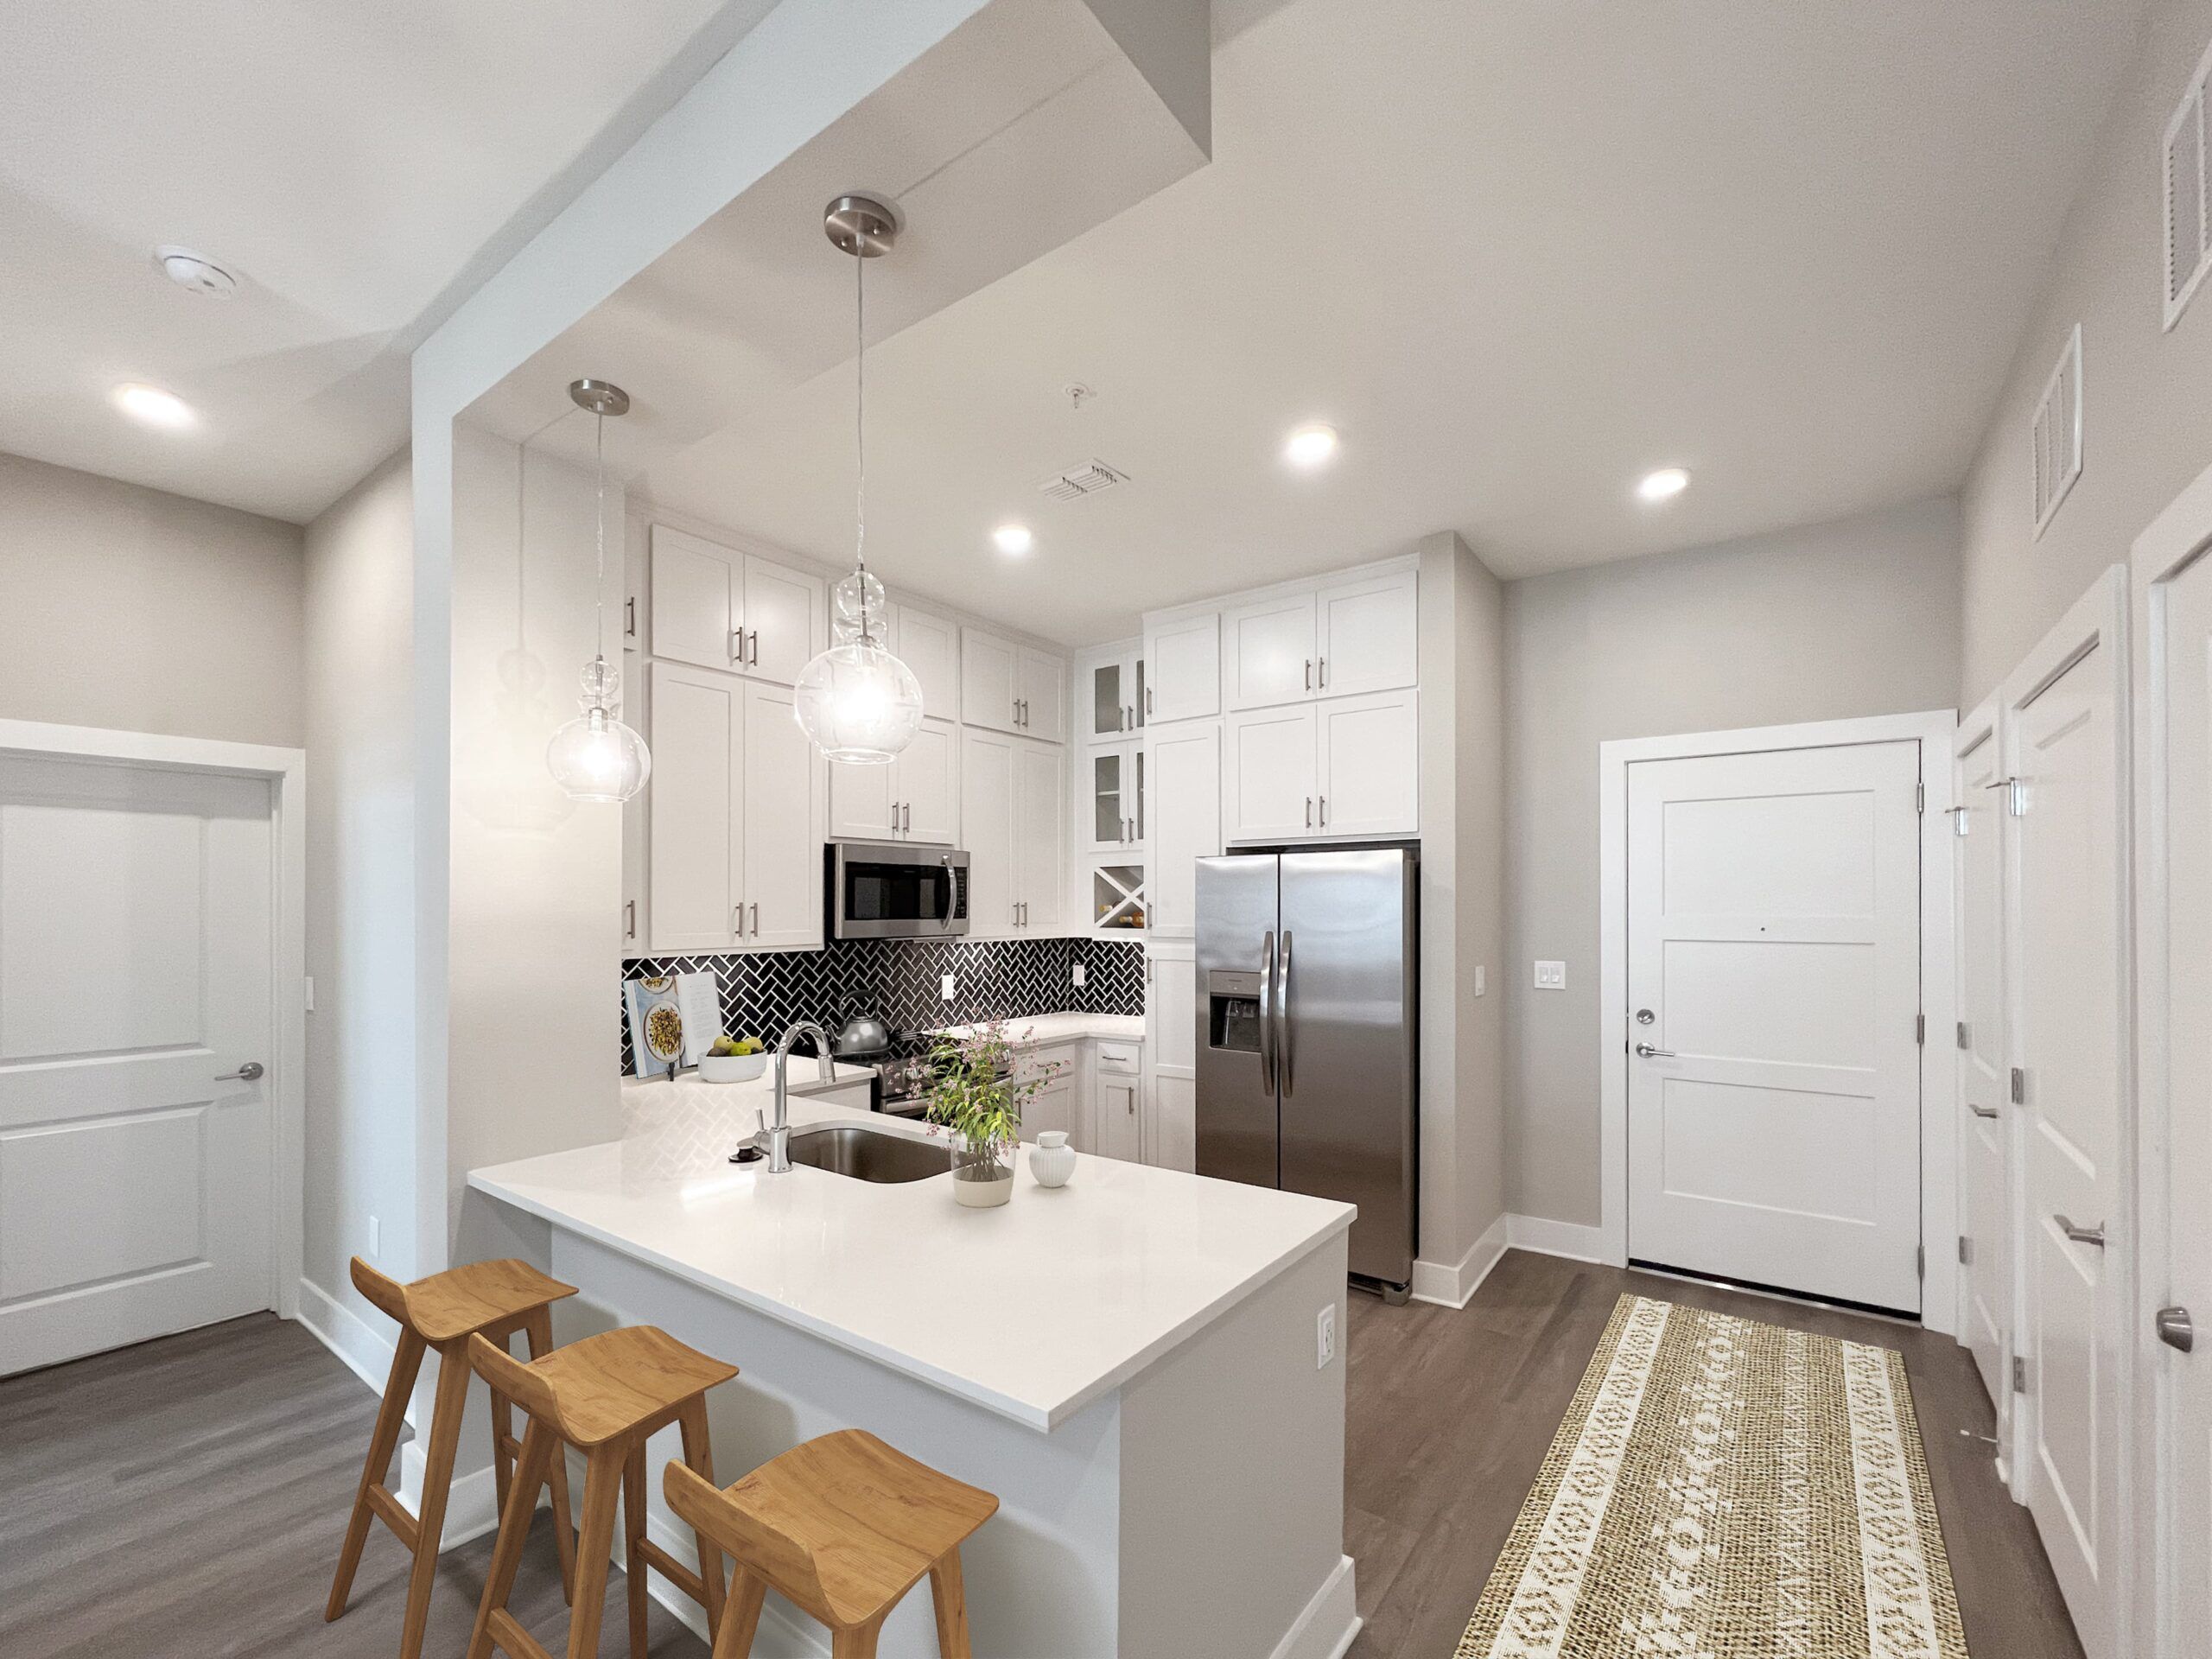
(2189, 224)
(1084, 478)
(2058, 432)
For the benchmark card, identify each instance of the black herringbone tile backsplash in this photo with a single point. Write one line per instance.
(898, 980)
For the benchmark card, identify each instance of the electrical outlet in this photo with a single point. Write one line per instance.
(1324, 1336)
(376, 1237)
(1551, 976)
(1075, 975)
(944, 988)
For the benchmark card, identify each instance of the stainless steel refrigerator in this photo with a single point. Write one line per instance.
(1307, 998)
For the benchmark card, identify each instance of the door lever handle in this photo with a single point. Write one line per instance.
(250, 1072)
(1981, 1111)
(1645, 1052)
(2081, 1234)
(2176, 1329)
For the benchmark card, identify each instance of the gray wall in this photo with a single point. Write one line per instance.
(1826, 622)
(139, 610)
(2146, 394)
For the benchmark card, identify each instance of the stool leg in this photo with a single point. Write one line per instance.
(699, 1455)
(634, 1530)
(741, 1615)
(437, 1485)
(595, 1548)
(538, 1329)
(858, 1642)
(391, 1417)
(539, 1448)
(951, 1594)
(503, 1429)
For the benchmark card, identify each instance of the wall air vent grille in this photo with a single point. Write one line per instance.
(2058, 432)
(2189, 206)
(1084, 478)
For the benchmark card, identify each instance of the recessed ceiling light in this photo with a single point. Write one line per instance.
(154, 406)
(195, 271)
(1666, 481)
(1012, 538)
(1310, 445)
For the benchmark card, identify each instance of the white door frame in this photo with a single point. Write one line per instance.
(2170, 544)
(286, 772)
(1939, 1163)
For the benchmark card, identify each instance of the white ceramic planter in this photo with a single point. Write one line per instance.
(1052, 1160)
(731, 1068)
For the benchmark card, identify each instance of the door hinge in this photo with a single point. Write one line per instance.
(1966, 1039)
(1965, 1251)
(1920, 1262)
(2019, 1087)
(2019, 1374)
(1920, 798)
(1920, 1029)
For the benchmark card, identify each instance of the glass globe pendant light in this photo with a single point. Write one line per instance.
(595, 757)
(856, 702)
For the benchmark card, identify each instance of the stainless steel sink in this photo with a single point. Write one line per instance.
(869, 1154)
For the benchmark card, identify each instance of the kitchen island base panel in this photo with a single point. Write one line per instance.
(1192, 1504)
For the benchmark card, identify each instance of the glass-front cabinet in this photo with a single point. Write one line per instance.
(1114, 707)
(1116, 809)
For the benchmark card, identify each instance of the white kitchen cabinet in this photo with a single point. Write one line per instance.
(1114, 804)
(1270, 768)
(1171, 1055)
(715, 606)
(1041, 684)
(1118, 1123)
(1172, 1124)
(1182, 668)
(1182, 820)
(1040, 838)
(637, 852)
(915, 797)
(1368, 765)
(987, 830)
(988, 670)
(1270, 644)
(1366, 630)
(1058, 1104)
(1110, 694)
(736, 817)
(929, 645)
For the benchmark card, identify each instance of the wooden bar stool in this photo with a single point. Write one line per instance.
(446, 1311)
(604, 1396)
(844, 1526)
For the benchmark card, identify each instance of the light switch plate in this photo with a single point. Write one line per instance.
(376, 1237)
(1551, 976)
(944, 988)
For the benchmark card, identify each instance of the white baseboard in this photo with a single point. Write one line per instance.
(367, 1352)
(1330, 1622)
(1548, 1238)
(1452, 1284)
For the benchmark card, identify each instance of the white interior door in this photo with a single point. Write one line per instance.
(2065, 928)
(1774, 973)
(136, 942)
(1988, 1220)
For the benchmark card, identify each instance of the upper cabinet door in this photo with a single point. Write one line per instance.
(1182, 669)
(929, 645)
(1366, 638)
(987, 830)
(989, 694)
(782, 871)
(1040, 837)
(863, 802)
(782, 617)
(1105, 699)
(1184, 808)
(928, 779)
(1369, 760)
(1268, 791)
(1040, 684)
(637, 712)
(697, 731)
(697, 589)
(1271, 651)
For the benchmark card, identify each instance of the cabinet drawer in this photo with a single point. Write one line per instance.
(1119, 1057)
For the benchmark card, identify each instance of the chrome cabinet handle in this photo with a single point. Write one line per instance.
(906, 816)
(1147, 699)
(1981, 1111)
(1645, 1052)
(2081, 1234)
(1309, 673)
(250, 1072)
(755, 909)
(2176, 1329)
(630, 619)
(1323, 676)
(1325, 811)
(629, 919)
(894, 818)
(1309, 811)
(737, 646)
(737, 919)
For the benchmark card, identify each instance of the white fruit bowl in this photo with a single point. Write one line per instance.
(731, 1068)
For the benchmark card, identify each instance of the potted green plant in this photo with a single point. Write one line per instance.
(977, 1092)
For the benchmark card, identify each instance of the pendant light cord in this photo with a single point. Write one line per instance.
(860, 421)
(599, 469)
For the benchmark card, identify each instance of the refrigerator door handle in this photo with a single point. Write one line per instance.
(1266, 1012)
(1283, 1045)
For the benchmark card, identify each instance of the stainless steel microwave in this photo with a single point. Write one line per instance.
(896, 890)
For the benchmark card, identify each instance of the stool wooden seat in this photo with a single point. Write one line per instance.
(605, 1395)
(844, 1526)
(486, 1300)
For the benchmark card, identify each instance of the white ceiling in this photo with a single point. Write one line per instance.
(1519, 254)
(360, 164)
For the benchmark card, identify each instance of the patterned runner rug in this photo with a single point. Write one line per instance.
(1723, 1489)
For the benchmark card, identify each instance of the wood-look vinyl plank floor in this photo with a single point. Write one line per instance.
(184, 1499)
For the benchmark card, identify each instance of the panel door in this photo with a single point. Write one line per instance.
(987, 830)
(1172, 1133)
(1774, 973)
(1366, 632)
(1269, 774)
(862, 801)
(136, 941)
(928, 777)
(987, 682)
(1182, 666)
(637, 711)
(929, 645)
(695, 826)
(783, 619)
(1113, 797)
(1271, 648)
(697, 590)
(1111, 698)
(1183, 804)
(2064, 934)
(1040, 681)
(1119, 1127)
(1368, 782)
(1987, 1221)
(782, 825)
(1040, 837)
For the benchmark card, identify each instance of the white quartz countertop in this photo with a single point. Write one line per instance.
(1033, 1310)
(1037, 1030)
